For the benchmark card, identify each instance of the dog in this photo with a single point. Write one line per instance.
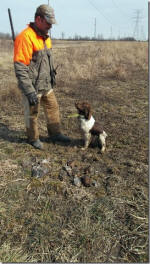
(89, 126)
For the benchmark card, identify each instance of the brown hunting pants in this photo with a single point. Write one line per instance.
(52, 115)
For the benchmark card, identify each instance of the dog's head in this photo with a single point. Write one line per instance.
(84, 109)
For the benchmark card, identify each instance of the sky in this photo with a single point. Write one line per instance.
(105, 18)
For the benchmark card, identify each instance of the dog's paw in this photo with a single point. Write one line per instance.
(103, 149)
(84, 148)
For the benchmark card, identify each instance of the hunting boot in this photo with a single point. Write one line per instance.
(37, 144)
(31, 116)
(52, 114)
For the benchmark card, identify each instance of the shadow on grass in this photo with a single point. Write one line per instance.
(73, 142)
(10, 135)
(19, 136)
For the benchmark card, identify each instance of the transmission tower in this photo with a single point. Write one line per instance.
(137, 18)
(143, 37)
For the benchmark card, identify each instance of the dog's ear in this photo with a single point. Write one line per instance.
(87, 111)
(76, 104)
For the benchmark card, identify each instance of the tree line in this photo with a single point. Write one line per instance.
(5, 35)
(78, 37)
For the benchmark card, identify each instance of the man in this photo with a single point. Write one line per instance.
(36, 76)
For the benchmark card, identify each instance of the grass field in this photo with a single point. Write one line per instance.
(49, 219)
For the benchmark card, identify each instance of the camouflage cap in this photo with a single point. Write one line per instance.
(48, 13)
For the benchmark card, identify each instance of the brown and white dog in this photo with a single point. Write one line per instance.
(89, 126)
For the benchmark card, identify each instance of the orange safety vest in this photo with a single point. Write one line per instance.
(26, 43)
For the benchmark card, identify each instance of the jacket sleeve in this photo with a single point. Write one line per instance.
(22, 56)
(22, 74)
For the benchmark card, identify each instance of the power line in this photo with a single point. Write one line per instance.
(95, 7)
(108, 20)
(119, 9)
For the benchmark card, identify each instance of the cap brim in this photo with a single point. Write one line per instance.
(50, 20)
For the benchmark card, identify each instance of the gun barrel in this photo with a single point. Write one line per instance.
(11, 24)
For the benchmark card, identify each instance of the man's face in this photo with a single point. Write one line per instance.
(42, 24)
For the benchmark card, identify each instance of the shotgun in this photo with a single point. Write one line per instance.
(11, 25)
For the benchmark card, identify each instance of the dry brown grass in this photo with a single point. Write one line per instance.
(111, 59)
(50, 219)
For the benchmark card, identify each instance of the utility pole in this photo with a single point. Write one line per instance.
(111, 34)
(137, 19)
(62, 35)
(95, 28)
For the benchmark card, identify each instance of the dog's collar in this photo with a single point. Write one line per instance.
(81, 117)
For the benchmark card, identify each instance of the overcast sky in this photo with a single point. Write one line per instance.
(110, 18)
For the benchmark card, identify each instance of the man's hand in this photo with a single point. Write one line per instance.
(32, 98)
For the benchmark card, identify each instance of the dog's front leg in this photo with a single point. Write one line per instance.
(87, 137)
